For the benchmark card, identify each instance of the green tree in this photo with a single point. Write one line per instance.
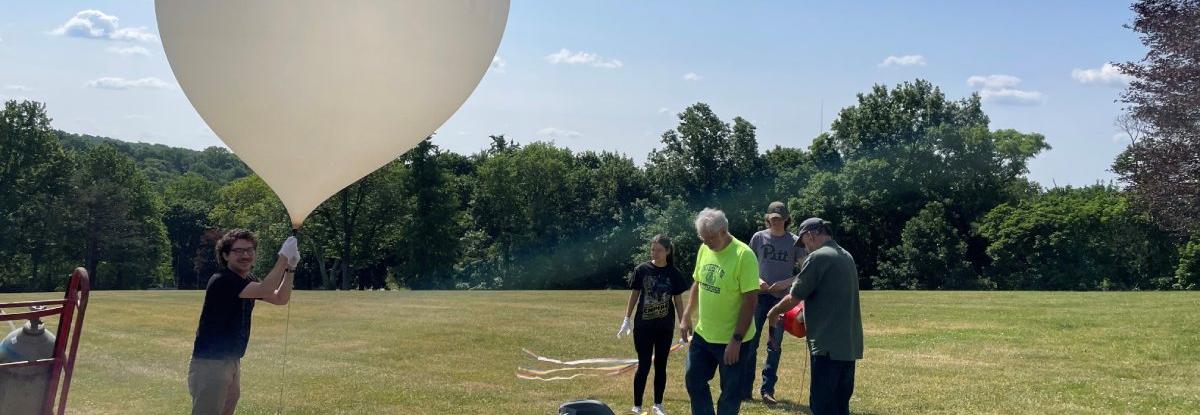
(118, 220)
(603, 220)
(884, 120)
(824, 153)
(931, 255)
(712, 164)
(33, 179)
(353, 235)
(697, 158)
(1187, 274)
(188, 199)
(219, 165)
(1076, 239)
(520, 199)
(675, 219)
(430, 246)
(896, 151)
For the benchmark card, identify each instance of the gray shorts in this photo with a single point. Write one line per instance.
(215, 385)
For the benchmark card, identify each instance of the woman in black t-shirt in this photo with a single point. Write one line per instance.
(656, 287)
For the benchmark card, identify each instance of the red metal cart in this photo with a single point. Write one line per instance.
(61, 364)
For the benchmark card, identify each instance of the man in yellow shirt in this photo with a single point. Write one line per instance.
(724, 294)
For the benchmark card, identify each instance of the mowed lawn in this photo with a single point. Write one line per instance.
(456, 353)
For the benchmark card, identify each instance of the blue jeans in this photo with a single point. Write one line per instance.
(703, 360)
(771, 366)
(831, 386)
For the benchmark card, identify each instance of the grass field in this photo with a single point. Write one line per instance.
(456, 353)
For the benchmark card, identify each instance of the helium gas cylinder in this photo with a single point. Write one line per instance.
(23, 389)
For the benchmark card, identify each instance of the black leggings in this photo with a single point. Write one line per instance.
(653, 344)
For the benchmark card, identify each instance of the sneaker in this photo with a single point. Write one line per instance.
(637, 410)
(658, 410)
(769, 399)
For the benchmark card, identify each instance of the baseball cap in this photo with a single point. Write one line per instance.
(777, 209)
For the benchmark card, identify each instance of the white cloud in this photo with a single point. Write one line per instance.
(122, 83)
(129, 50)
(498, 64)
(1011, 96)
(906, 60)
(13, 87)
(993, 81)
(664, 110)
(582, 58)
(95, 24)
(613, 64)
(1001, 89)
(1108, 74)
(691, 76)
(551, 132)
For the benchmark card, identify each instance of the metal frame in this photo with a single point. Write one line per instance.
(70, 310)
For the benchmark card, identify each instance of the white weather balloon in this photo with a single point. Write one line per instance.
(315, 94)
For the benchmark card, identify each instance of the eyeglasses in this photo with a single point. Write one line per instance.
(242, 251)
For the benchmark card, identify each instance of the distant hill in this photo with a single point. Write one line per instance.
(161, 162)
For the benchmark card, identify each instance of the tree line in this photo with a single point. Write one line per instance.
(921, 191)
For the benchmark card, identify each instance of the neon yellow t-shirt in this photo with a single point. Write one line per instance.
(722, 278)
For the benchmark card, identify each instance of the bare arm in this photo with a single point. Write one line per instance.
(276, 288)
(693, 297)
(746, 314)
(783, 286)
(745, 319)
(678, 300)
(685, 319)
(787, 303)
(633, 297)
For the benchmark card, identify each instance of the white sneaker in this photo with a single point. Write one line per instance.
(637, 410)
(658, 410)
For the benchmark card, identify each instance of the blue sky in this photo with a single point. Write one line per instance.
(610, 75)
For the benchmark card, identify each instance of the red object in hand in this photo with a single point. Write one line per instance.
(793, 321)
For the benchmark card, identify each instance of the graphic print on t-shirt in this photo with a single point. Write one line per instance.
(656, 297)
(773, 254)
(710, 276)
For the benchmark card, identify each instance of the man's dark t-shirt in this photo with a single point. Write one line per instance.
(225, 319)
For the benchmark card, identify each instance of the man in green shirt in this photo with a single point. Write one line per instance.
(724, 293)
(828, 285)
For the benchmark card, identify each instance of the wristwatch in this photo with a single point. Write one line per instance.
(738, 336)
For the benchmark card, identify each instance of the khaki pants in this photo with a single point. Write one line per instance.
(214, 385)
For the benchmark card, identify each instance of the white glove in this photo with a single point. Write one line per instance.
(626, 328)
(291, 251)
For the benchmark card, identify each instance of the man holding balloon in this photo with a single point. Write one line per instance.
(277, 82)
(224, 329)
(828, 285)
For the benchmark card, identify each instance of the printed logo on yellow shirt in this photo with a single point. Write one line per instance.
(710, 276)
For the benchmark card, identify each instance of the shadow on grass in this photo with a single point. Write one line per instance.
(793, 407)
(790, 407)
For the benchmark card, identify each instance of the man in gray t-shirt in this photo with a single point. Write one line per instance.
(778, 256)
